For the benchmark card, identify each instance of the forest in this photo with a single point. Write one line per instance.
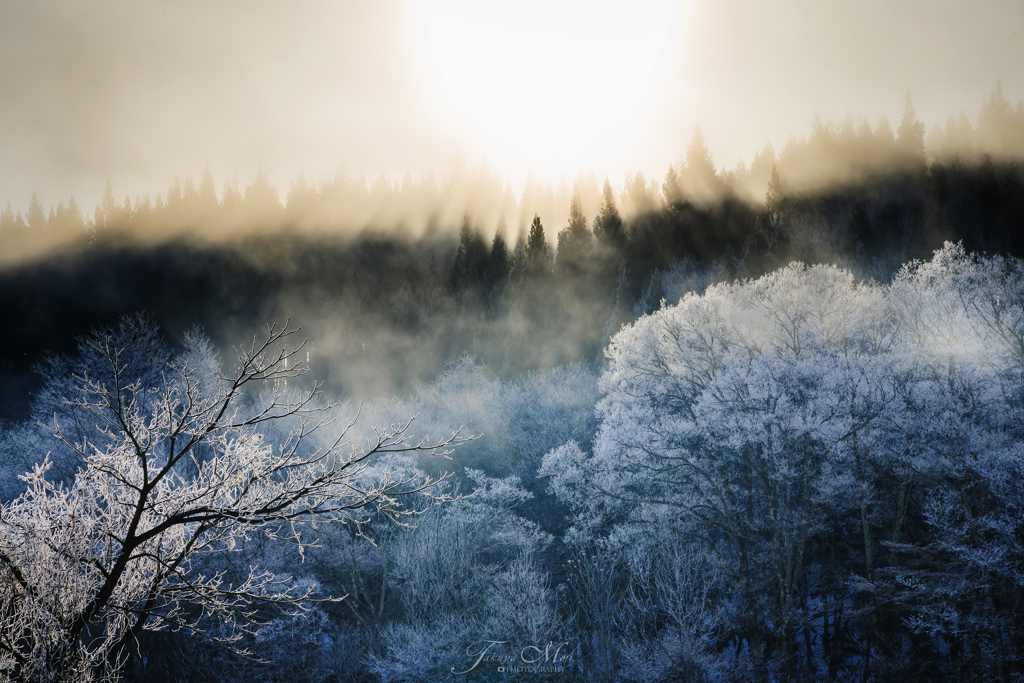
(758, 424)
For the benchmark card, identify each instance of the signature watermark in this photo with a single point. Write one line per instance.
(518, 659)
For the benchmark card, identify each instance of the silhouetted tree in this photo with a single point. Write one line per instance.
(670, 188)
(261, 203)
(207, 193)
(608, 227)
(7, 218)
(698, 180)
(774, 199)
(885, 141)
(190, 203)
(302, 201)
(471, 260)
(761, 167)
(1000, 127)
(231, 199)
(382, 194)
(499, 262)
(174, 208)
(127, 214)
(910, 136)
(538, 254)
(143, 208)
(637, 195)
(574, 239)
(36, 217)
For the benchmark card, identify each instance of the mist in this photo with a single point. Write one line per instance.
(392, 280)
(676, 341)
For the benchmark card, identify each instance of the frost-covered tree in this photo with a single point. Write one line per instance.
(960, 586)
(719, 416)
(468, 574)
(171, 474)
(61, 396)
(845, 455)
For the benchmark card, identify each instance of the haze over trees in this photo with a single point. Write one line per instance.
(752, 424)
(330, 253)
(832, 157)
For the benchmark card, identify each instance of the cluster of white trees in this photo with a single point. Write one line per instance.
(840, 461)
(804, 476)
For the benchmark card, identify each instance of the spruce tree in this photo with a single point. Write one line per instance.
(471, 260)
(538, 254)
(910, 136)
(774, 199)
(670, 188)
(574, 239)
(207, 193)
(36, 216)
(608, 227)
(499, 262)
(7, 218)
(698, 180)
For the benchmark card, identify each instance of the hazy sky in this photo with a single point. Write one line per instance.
(142, 91)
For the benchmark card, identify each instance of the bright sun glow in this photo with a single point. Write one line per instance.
(542, 81)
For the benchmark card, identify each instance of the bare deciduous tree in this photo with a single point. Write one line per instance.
(177, 472)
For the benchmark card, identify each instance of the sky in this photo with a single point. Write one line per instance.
(141, 92)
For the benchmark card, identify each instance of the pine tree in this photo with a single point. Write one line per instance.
(999, 126)
(75, 219)
(538, 254)
(143, 209)
(698, 158)
(761, 166)
(698, 180)
(883, 132)
(36, 216)
(471, 260)
(910, 136)
(499, 261)
(173, 205)
(670, 188)
(261, 202)
(190, 201)
(231, 198)
(637, 195)
(207, 192)
(774, 199)
(608, 227)
(7, 218)
(301, 202)
(126, 213)
(574, 239)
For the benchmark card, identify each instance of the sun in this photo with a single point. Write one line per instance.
(542, 80)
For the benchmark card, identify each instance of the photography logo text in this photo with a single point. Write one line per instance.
(506, 657)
